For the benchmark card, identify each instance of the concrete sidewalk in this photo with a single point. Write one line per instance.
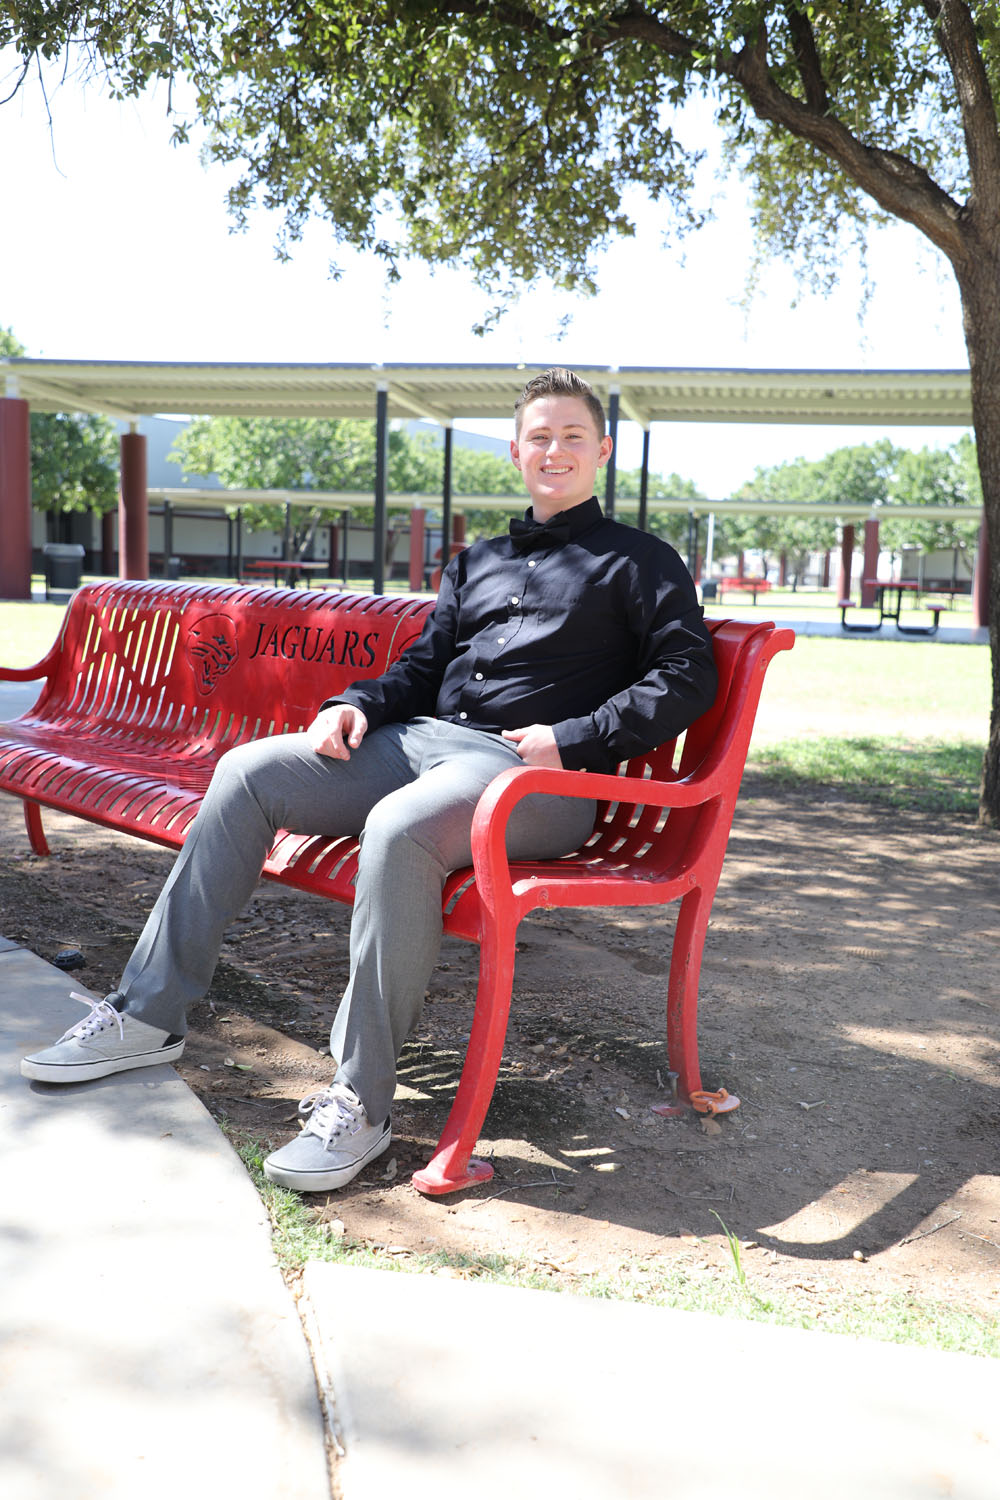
(446, 1390)
(148, 1345)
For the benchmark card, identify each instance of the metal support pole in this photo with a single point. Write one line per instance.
(710, 545)
(609, 476)
(644, 480)
(133, 508)
(239, 544)
(168, 536)
(446, 497)
(381, 477)
(108, 543)
(15, 498)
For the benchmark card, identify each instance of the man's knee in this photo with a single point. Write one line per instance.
(396, 829)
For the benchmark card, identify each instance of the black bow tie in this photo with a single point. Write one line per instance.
(526, 535)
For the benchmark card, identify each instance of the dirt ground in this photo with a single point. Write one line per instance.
(849, 997)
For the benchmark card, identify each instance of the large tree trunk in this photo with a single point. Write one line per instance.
(979, 282)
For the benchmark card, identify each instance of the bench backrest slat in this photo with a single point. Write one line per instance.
(203, 667)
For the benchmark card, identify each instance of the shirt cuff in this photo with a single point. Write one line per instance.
(580, 746)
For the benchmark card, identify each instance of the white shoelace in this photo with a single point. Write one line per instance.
(102, 1016)
(332, 1111)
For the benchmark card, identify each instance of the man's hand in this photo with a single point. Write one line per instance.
(536, 745)
(337, 730)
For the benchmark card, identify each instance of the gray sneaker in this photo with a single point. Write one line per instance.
(336, 1141)
(106, 1041)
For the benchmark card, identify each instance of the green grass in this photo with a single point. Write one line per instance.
(929, 685)
(27, 630)
(894, 772)
(300, 1235)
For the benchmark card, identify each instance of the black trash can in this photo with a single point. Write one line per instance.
(174, 565)
(709, 588)
(63, 565)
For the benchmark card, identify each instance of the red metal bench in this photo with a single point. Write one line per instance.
(753, 586)
(149, 683)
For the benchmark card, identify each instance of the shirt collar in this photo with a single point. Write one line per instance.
(564, 526)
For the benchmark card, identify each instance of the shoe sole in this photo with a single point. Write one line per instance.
(324, 1182)
(100, 1068)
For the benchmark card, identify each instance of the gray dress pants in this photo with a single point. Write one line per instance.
(410, 791)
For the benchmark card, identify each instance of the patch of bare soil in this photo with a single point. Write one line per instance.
(850, 998)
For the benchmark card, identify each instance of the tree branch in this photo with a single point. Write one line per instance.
(956, 35)
(807, 58)
(896, 183)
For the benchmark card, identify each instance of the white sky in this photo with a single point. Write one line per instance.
(117, 245)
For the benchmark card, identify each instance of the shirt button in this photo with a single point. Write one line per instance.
(514, 599)
(479, 676)
(532, 563)
(501, 640)
(463, 715)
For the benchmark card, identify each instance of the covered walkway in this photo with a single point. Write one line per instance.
(443, 394)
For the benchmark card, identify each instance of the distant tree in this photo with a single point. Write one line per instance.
(935, 476)
(325, 454)
(859, 475)
(74, 459)
(672, 525)
(301, 453)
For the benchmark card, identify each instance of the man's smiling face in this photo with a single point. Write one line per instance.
(558, 453)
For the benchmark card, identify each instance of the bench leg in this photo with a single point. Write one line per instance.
(452, 1166)
(36, 833)
(682, 991)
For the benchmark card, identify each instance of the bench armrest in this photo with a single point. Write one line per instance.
(489, 824)
(29, 674)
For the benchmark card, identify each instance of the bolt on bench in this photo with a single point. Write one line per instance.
(149, 684)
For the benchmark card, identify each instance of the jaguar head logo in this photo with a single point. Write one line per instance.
(211, 649)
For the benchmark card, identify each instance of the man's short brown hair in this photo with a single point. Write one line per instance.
(560, 382)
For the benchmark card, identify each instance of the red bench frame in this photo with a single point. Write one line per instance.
(149, 683)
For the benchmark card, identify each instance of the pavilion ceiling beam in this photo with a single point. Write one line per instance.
(417, 406)
(42, 395)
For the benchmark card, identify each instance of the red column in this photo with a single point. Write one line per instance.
(846, 560)
(15, 498)
(981, 579)
(418, 531)
(782, 569)
(458, 527)
(133, 509)
(869, 568)
(825, 580)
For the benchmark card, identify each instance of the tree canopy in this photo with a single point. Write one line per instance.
(505, 134)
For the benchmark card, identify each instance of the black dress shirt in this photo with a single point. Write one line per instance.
(585, 624)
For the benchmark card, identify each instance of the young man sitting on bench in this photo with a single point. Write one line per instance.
(573, 641)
